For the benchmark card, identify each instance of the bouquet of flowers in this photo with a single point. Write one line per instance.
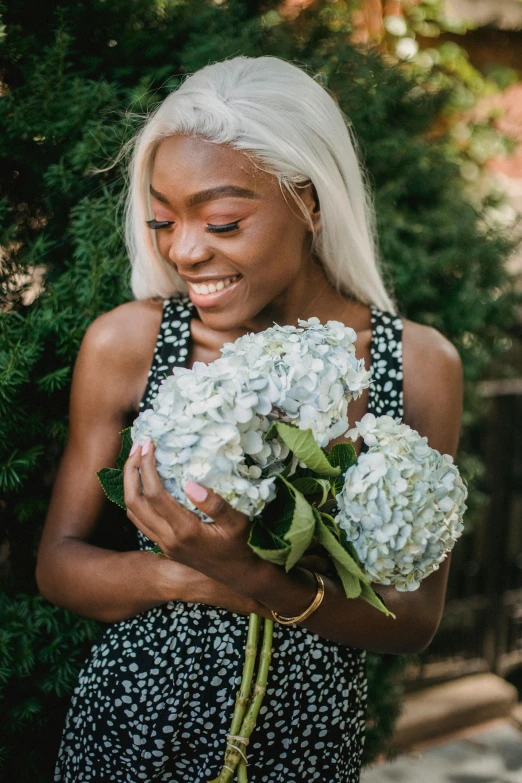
(253, 427)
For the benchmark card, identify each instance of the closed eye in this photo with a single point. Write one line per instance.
(156, 224)
(222, 229)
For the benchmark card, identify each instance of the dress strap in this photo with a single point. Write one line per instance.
(385, 396)
(172, 345)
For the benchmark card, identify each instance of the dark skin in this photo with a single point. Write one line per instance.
(266, 249)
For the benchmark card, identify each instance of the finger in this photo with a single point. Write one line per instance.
(139, 511)
(132, 491)
(214, 506)
(144, 528)
(153, 489)
(179, 518)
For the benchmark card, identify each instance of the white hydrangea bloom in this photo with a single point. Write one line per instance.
(402, 504)
(311, 373)
(203, 423)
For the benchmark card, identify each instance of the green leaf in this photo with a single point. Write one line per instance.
(347, 544)
(302, 526)
(342, 455)
(312, 486)
(349, 571)
(331, 543)
(303, 444)
(352, 586)
(126, 445)
(267, 545)
(111, 480)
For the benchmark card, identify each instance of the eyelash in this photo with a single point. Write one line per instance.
(224, 228)
(155, 225)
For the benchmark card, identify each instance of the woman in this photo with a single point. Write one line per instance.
(246, 207)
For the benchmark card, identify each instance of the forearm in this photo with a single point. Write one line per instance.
(103, 584)
(348, 621)
(111, 586)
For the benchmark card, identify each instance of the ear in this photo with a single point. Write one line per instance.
(310, 199)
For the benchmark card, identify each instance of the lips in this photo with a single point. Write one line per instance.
(214, 292)
(213, 286)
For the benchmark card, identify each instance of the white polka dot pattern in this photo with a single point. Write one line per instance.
(385, 393)
(171, 346)
(155, 698)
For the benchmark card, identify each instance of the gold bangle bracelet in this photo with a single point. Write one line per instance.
(313, 606)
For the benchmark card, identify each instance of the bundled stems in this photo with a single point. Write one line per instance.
(259, 691)
(243, 696)
(248, 701)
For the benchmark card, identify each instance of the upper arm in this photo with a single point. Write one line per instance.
(433, 386)
(108, 380)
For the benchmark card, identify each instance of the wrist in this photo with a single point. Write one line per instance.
(288, 594)
(164, 578)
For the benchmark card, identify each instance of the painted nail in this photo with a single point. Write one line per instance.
(146, 446)
(134, 449)
(195, 491)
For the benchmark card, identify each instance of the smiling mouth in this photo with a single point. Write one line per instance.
(204, 289)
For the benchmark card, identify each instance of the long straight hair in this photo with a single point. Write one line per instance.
(293, 128)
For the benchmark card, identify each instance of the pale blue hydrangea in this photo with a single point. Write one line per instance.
(402, 504)
(312, 373)
(204, 422)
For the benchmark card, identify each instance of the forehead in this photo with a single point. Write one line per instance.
(189, 165)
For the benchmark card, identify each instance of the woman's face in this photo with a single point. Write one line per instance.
(225, 226)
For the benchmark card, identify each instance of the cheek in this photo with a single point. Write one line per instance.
(277, 252)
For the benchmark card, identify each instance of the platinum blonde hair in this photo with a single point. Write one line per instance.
(290, 126)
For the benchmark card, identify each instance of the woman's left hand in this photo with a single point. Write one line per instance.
(219, 549)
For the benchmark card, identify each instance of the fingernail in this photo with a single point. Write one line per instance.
(195, 491)
(146, 446)
(134, 449)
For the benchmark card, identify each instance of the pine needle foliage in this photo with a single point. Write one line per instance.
(72, 76)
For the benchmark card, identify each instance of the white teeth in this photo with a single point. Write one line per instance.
(211, 288)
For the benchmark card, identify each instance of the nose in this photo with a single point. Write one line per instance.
(189, 247)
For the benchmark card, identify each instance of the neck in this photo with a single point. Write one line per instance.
(311, 295)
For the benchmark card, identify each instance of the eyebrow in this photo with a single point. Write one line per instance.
(211, 194)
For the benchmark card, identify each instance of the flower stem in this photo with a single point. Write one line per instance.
(249, 721)
(243, 695)
(242, 772)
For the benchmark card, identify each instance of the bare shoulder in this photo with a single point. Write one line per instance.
(433, 385)
(118, 348)
(426, 352)
(127, 326)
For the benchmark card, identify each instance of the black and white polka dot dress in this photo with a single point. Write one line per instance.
(155, 698)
